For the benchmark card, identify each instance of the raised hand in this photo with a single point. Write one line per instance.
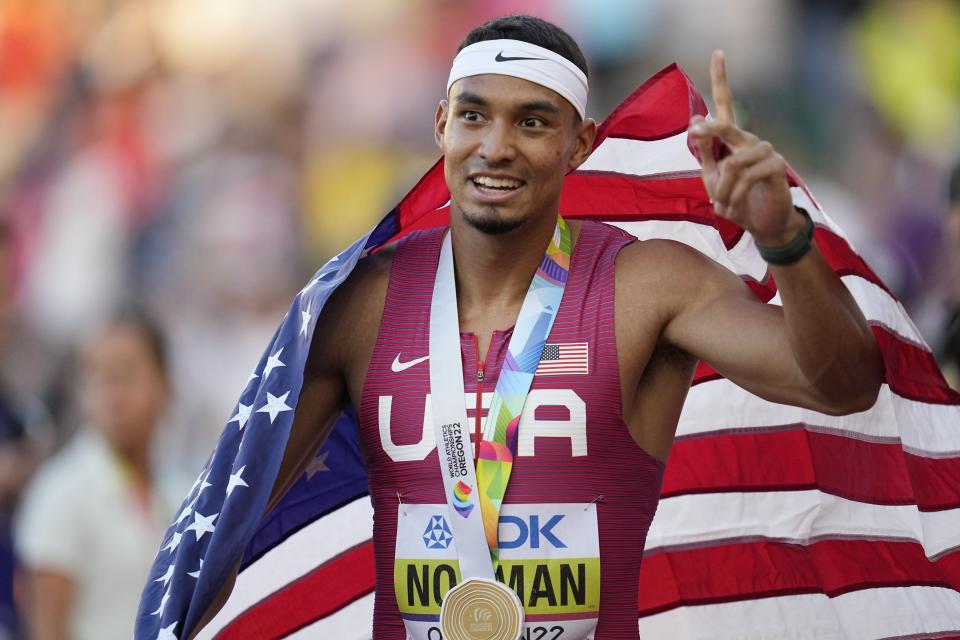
(748, 186)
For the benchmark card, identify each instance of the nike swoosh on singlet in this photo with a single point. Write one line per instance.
(502, 58)
(398, 366)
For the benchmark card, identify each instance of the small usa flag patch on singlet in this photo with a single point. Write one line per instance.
(563, 359)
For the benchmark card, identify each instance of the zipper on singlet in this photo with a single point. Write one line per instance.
(480, 375)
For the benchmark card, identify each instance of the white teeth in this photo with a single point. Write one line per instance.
(497, 183)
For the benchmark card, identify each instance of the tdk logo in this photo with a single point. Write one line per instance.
(515, 532)
(437, 535)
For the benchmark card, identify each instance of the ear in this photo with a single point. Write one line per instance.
(441, 122)
(586, 134)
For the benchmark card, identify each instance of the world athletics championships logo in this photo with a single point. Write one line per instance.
(461, 498)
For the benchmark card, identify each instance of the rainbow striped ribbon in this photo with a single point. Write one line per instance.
(499, 444)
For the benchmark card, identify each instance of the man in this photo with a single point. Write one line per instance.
(510, 129)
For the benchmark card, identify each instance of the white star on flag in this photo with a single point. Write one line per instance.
(236, 480)
(243, 414)
(196, 574)
(167, 633)
(174, 541)
(275, 405)
(305, 318)
(202, 482)
(187, 510)
(202, 524)
(272, 363)
(165, 578)
(163, 603)
(200, 478)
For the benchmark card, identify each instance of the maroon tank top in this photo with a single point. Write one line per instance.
(578, 385)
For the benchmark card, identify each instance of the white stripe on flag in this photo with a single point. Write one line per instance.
(867, 613)
(802, 200)
(642, 157)
(296, 556)
(924, 429)
(794, 516)
(704, 239)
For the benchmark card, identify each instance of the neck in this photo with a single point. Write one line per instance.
(136, 460)
(493, 272)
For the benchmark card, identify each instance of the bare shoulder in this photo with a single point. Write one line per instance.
(674, 274)
(649, 286)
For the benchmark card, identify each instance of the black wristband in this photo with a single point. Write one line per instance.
(795, 249)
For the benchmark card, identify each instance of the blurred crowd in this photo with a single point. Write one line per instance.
(171, 171)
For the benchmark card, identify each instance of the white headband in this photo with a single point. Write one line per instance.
(523, 60)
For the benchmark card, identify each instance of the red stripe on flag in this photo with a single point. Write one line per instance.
(911, 371)
(624, 198)
(843, 259)
(318, 594)
(657, 109)
(751, 570)
(796, 459)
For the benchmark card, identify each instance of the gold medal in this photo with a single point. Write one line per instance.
(480, 609)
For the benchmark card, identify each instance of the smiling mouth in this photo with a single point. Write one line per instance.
(492, 186)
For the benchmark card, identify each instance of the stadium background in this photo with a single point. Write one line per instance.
(203, 157)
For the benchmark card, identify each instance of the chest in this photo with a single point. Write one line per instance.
(570, 420)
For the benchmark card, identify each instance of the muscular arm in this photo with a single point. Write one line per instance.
(816, 351)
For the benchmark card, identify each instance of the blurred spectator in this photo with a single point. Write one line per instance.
(93, 517)
(20, 452)
(949, 351)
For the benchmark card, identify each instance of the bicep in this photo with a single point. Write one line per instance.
(716, 318)
(746, 342)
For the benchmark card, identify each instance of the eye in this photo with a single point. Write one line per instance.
(532, 122)
(471, 116)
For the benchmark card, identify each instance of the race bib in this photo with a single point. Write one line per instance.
(549, 555)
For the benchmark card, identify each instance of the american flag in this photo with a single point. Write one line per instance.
(563, 359)
(774, 521)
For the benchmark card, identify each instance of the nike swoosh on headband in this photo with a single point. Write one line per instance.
(501, 58)
(398, 366)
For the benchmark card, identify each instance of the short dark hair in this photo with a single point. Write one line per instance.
(529, 29)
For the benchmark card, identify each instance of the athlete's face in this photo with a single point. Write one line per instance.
(507, 145)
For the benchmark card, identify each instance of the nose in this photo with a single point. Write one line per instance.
(498, 144)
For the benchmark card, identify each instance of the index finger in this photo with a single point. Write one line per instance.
(722, 97)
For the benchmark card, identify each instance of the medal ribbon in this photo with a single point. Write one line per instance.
(499, 443)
